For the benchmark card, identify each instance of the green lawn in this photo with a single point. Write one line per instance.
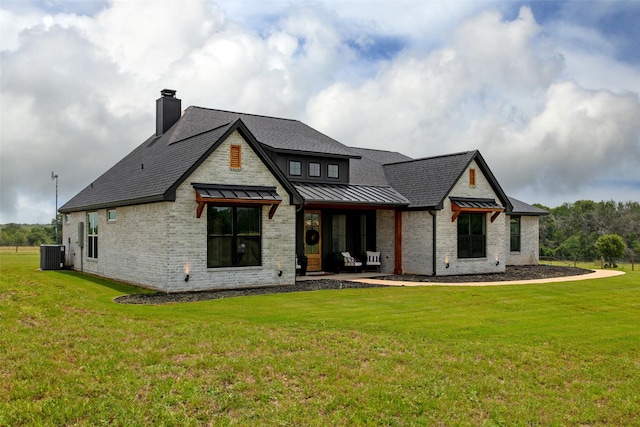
(553, 354)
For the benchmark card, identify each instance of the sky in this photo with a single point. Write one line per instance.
(548, 91)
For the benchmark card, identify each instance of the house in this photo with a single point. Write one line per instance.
(216, 199)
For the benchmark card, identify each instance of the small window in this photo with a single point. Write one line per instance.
(332, 171)
(314, 169)
(111, 215)
(515, 233)
(295, 168)
(235, 158)
(67, 218)
(472, 177)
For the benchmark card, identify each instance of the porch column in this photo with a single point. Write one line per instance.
(397, 268)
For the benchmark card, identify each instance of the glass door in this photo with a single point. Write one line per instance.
(313, 240)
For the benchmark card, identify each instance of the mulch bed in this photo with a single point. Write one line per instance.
(511, 273)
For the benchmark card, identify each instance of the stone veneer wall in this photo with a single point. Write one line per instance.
(447, 231)
(155, 244)
(529, 242)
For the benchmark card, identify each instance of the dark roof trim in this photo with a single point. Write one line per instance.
(170, 194)
(114, 204)
(312, 153)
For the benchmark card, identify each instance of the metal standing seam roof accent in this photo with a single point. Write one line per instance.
(236, 192)
(350, 194)
(475, 203)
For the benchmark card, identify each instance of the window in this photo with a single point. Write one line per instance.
(314, 169)
(472, 235)
(472, 177)
(332, 171)
(235, 157)
(515, 233)
(67, 218)
(295, 168)
(233, 236)
(111, 215)
(92, 235)
(339, 233)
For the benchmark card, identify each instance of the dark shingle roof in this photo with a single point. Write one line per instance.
(368, 169)
(282, 135)
(522, 208)
(427, 182)
(154, 170)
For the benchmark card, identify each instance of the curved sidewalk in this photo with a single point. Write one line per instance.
(597, 274)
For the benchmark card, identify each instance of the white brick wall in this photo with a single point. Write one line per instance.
(447, 232)
(154, 244)
(417, 243)
(529, 242)
(385, 239)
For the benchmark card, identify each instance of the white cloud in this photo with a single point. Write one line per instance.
(422, 78)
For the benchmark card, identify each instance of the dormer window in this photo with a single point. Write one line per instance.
(332, 171)
(472, 177)
(295, 168)
(314, 169)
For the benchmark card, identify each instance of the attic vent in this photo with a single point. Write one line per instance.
(472, 177)
(235, 157)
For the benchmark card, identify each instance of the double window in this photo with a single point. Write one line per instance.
(472, 235)
(514, 227)
(233, 236)
(92, 235)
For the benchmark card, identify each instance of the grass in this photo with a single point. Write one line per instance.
(554, 354)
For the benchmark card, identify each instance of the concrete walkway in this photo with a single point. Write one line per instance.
(371, 278)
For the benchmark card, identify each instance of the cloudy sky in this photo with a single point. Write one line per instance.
(547, 91)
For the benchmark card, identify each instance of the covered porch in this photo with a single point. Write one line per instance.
(341, 218)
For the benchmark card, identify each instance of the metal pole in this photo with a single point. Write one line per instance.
(55, 176)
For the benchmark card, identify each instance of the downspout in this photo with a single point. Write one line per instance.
(433, 243)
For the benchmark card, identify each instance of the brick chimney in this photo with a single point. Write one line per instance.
(168, 111)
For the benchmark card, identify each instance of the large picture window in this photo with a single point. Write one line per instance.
(472, 235)
(515, 233)
(92, 235)
(233, 236)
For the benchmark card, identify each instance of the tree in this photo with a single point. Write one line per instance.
(610, 246)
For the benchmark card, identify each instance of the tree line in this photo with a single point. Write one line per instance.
(27, 234)
(572, 230)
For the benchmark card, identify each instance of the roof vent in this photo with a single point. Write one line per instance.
(168, 110)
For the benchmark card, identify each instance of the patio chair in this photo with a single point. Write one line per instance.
(350, 261)
(373, 260)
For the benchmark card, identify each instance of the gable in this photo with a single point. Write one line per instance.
(155, 169)
(427, 182)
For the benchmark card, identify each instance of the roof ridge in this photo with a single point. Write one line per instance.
(244, 114)
(434, 157)
(203, 132)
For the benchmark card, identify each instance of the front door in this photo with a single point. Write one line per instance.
(313, 240)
